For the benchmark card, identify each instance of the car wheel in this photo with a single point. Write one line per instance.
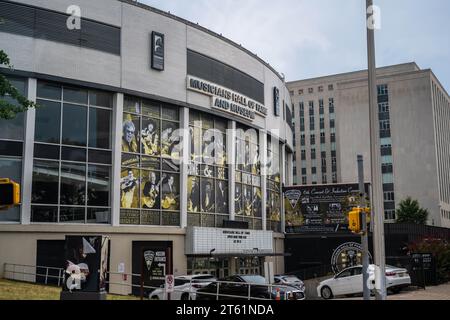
(326, 293)
(396, 290)
(185, 296)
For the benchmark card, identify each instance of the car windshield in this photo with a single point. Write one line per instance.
(254, 279)
(291, 279)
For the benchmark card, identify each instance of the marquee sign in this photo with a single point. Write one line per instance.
(227, 100)
(228, 241)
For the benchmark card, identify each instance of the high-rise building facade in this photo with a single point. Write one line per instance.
(331, 116)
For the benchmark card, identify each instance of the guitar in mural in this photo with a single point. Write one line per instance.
(149, 200)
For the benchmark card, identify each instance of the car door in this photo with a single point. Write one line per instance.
(356, 280)
(342, 283)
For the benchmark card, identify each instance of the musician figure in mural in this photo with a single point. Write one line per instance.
(238, 199)
(208, 198)
(150, 140)
(194, 196)
(129, 143)
(128, 186)
(169, 194)
(150, 199)
(248, 203)
(168, 142)
(222, 201)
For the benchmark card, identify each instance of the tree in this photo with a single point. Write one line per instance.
(409, 211)
(9, 110)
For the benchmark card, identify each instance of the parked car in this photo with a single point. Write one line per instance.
(290, 280)
(350, 281)
(237, 288)
(185, 287)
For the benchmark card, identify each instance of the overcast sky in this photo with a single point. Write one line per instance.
(311, 38)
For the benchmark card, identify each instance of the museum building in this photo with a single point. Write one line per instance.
(150, 130)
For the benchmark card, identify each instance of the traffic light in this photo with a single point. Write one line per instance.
(9, 193)
(355, 218)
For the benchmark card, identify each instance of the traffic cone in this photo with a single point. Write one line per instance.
(278, 296)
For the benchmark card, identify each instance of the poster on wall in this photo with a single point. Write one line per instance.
(320, 209)
(157, 51)
(86, 263)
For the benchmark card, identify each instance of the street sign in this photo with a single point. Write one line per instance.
(169, 283)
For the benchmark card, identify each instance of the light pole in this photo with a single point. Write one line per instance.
(375, 160)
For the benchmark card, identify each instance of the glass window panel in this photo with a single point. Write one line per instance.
(98, 216)
(130, 160)
(11, 148)
(207, 195)
(150, 137)
(73, 154)
(221, 196)
(99, 128)
(170, 165)
(45, 182)
(101, 99)
(150, 163)
(131, 105)
(170, 113)
(170, 193)
(10, 215)
(14, 128)
(11, 169)
(99, 182)
(248, 200)
(193, 194)
(49, 90)
(76, 95)
(48, 121)
(130, 133)
(151, 189)
(73, 184)
(151, 218)
(46, 151)
(238, 200)
(193, 220)
(44, 214)
(151, 109)
(129, 217)
(257, 197)
(170, 218)
(72, 215)
(169, 140)
(97, 156)
(74, 125)
(129, 188)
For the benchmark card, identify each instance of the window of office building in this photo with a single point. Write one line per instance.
(208, 173)
(322, 138)
(313, 139)
(311, 123)
(303, 140)
(324, 178)
(320, 89)
(311, 107)
(248, 196)
(382, 90)
(273, 206)
(304, 180)
(72, 155)
(389, 196)
(150, 179)
(331, 105)
(389, 215)
(330, 87)
(383, 107)
(321, 108)
(313, 153)
(11, 147)
(322, 123)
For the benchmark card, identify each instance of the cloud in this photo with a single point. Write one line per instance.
(304, 38)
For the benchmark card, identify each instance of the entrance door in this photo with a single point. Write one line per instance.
(250, 265)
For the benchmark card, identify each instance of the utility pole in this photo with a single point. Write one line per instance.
(375, 160)
(365, 233)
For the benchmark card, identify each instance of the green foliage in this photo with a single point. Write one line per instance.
(409, 211)
(441, 253)
(9, 110)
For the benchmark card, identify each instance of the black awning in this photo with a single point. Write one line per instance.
(239, 255)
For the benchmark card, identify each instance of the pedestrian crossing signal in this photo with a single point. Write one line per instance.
(9, 193)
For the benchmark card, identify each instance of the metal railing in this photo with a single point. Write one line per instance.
(29, 273)
(33, 274)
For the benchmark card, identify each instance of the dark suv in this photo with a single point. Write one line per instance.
(237, 288)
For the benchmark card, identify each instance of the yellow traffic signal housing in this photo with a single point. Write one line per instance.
(9, 193)
(354, 220)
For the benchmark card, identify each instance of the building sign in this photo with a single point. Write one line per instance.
(347, 255)
(201, 241)
(320, 209)
(157, 51)
(227, 100)
(276, 101)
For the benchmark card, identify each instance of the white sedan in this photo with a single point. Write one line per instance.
(185, 287)
(350, 281)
